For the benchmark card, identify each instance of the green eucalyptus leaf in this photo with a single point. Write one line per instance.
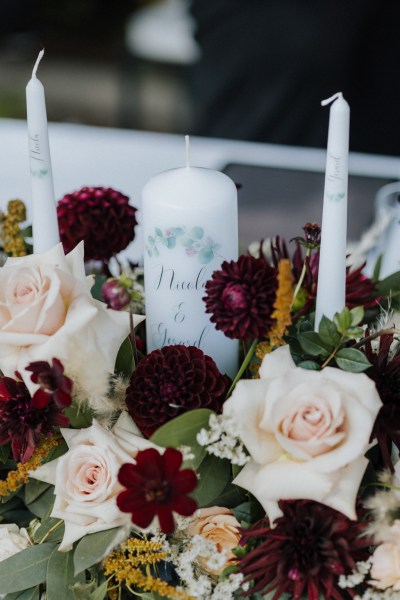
(60, 575)
(328, 332)
(377, 269)
(353, 333)
(343, 320)
(390, 286)
(214, 475)
(305, 326)
(96, 288)
(4, 453)
(79, 417)
(249, 512)
(43, 505)
(99, 593)
(52, 529)
(34, 489)
(31, 594)
(311, 365)
(124, 364)
(357, 315)
(312, 344)
(25, 569)
(351, 359)
(182, 431)
(92, 548)
(231, 496)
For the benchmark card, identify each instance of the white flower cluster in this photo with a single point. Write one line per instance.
(223, 439)
(357, 576)
(184, 555)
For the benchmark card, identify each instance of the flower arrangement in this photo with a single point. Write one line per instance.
(125, 474)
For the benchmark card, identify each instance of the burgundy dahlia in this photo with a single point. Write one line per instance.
(385, 371)
(360, 290)
(305, 552)
(102, 217)
(23, 424)
(157, 487)
(240, 298)
(172, 381)
(54, 385)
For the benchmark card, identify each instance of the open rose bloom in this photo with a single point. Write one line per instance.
(306, 432)
(86, 478)
(46, 311)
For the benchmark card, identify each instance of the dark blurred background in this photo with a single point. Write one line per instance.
(242, 69)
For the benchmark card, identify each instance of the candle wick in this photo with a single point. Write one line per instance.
(334, 97)
(187, 142)
(39, 58)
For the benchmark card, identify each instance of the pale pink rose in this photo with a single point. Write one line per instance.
(86, 478)
(47, 311)
(218, 525)
(385, 569)
(306, 432)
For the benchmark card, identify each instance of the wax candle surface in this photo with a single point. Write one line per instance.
(44, 213)
(331, 294)
(190, 227)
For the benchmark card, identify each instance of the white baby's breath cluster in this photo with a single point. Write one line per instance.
(222, 439)
(187, 453)
(184, 553)
(357, 576)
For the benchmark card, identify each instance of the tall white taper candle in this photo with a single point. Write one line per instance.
(44, 212)
(331, 294)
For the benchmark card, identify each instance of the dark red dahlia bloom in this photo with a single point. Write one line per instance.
(157, 487)
(171, 381)
(240, 298)
(23, 424)
(385, 371)
(102, 217)
(54, 385)
(360, 290)
(306, 551)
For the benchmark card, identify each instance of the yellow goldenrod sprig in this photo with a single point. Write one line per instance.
(283, 303)
(11, 235)
(15, 479)
(123, 566)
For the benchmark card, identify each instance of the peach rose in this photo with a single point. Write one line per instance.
(385, 568)
(47, 311)
(306, 432)
(218, 525)
(86, 477)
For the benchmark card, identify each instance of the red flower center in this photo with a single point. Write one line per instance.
(234, 297)
(157, 491)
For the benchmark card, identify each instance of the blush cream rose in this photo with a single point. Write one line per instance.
(218, 525)
(47, 311)
(306, 433)
(86, 478)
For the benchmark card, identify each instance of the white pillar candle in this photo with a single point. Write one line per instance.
(190, 226)
(331, 293)
(43, 203)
